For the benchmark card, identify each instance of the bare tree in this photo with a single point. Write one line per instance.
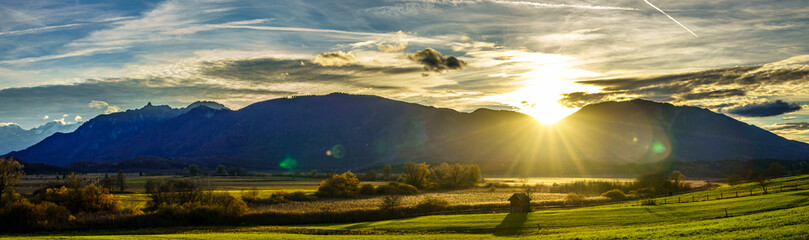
(10, 173)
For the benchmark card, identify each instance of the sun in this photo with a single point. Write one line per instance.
(542, 80)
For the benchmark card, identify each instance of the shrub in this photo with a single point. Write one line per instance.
(343, 185)
(300, 196)
(614, 195)
(172, 191)
(407, 189)
(251, 195)
(209, 208)
(390, 202)
(23, 215)
(573, 199)
(432, 204)
(367, 189)
(90, 198)
(395, 188)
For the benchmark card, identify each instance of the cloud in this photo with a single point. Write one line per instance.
(789, 118)
(391, 48)
(717, 89)
(334, 59)
(77, 118)
(581, 99)
(785, 127)
(766, 109)
(103, 106)
(46, 117)
(5, 124)
(435, 61)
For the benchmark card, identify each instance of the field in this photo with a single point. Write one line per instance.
(781, 214)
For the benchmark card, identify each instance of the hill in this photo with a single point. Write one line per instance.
(341, 131)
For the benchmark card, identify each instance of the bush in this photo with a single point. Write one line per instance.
(367, 189)
(344, 185)
(90, 198)
(23, 215)
(407, 189)
(432, 204)
(390, 202)
(172, 191)
(614, 195)
(300, 196)
(395, 188)
(211, 207)
(573, 199)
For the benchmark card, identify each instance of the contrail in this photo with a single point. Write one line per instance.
(667, 15)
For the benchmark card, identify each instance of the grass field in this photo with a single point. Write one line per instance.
(778, 215)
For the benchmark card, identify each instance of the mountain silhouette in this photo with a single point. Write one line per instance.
(342, 131)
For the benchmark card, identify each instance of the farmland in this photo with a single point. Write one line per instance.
(780, 214)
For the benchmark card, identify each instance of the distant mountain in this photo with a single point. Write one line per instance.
(13, 137)
(340, 131)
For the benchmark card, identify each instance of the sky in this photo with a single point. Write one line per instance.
(70, 61)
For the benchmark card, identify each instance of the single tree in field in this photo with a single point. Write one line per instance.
(678, 179)
(193, 170)
(386, 172)
(416, 174)
(221, 171)
(10, 173)
(121, 179)
(763, 181)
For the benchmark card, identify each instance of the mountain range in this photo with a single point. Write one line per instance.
(342, 131)
(13, 137)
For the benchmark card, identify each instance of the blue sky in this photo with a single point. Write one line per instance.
(544, 58)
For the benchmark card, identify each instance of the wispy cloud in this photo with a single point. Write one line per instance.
(556, 5)
(81, 52)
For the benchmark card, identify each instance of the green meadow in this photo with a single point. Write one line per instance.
(781, 214)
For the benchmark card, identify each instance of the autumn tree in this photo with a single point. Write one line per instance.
(10, 173)
(678, 179)
(416, 174)
(343, 185)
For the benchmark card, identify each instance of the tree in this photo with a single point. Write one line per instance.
(193, 170)
(386, 172)
(107, 182)
(370, 176)
(10, 173)
(678, 179)
(343, 185)
(763, 182)
(221, 171)
(416, 174)
(121, 179)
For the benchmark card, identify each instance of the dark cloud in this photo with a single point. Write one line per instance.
(714, 84)
(783, 127)
(712, 94)
(581, 99)
(435, 61)
(765, 109)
